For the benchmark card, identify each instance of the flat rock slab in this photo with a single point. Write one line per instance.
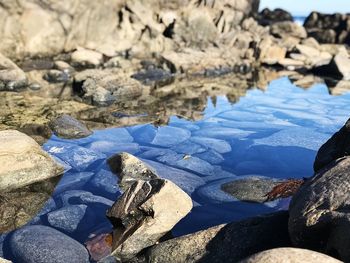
(68, 127)
(23, 162)
(42, 244)
(225, 243)
(289, 255)
(145, 213)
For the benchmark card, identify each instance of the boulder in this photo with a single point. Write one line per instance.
(225, 243)
(287, 28)
(267, 17)
(32, 164)
(336, 147)
(342, 64)
(42, 244)
(270, 52)
(143, 215)
(319, 218)
(289, 255)
(12, 78)
(130, 169)
(68, 127)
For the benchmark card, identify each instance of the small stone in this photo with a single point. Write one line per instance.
(86, 58)
(56, 76)
(67, 127)
(42, 244)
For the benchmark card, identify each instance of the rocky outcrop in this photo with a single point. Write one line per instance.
(32, 163)
(143, 215)
(35, 28)
(68, 127)
(225, 243)
(289, 255)
(319, 219)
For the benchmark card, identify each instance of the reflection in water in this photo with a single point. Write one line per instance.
(273, 133)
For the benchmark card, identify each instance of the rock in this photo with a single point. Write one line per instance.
(225, 243)
(271, 53)
(57, 76)
(68, 218)
(314, 57)
(130, 169)
(250, 189)
(4, 261)
(311, 42)
(336, 147)
(342, 63)
(32, 163)
(86, 58)
(287, 28)
(12, 78)
(67, 127)
(267, 17)
(289, 255)
(155, 77)
(319, 219)
(42, 244)
(142, 215)
(340, 88)
(324, 36)
(63, 66)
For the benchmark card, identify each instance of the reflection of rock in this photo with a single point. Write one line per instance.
(67, 127)
(225, 243)
(32, 163)
(45, 244)
(289, 255)
(145, 213)
(11, 76)
(319, 216)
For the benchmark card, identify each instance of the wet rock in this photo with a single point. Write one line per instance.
(336, 147)
(130, 169)
(267, 17)
(32, 163)
(250, 189)
(287, 28)
(56, 76)
(12, 78)
(68, 127)
(225, 243)
(319, 218)
(86, 58)
(41, 244)
(67, 218)
(142, 215)
(155, 77)
(289, 255)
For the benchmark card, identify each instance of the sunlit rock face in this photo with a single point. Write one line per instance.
(50, 27)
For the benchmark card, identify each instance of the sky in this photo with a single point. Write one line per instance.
(304, 7)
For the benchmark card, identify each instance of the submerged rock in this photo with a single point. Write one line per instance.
(68, 127)
(32, 164)
(42, 244)
(144, 214)
(12, 77)
(225, 243)
(319, 215)
(289, 255)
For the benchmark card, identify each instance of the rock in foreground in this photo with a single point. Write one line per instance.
(225, 243)
(67, 127)
(32, 164)
(145, 213)
(319, 215)
(289, 255)
(41, 244)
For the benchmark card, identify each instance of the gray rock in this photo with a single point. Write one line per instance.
(4, 261)
(342, 63)
(105, 181)
(41, 244)
(319, 216)
(143, 215)
(288, 28)
(12, 78)
(336, 147)
(56, 76)
(250, 189)
(130, 169)
(67, 218)
(225, 243)
(68, 127)
(289, 255)
(86, 58)
(154, 77)
(32, 163)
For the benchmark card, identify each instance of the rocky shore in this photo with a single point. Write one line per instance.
(72, 67)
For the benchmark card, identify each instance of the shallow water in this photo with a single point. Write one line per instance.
(275, 133)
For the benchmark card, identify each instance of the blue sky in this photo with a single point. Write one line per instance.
(304, 7)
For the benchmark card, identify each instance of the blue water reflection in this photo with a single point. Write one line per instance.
(273, 133)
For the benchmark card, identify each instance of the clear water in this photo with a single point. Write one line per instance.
(275, 133)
